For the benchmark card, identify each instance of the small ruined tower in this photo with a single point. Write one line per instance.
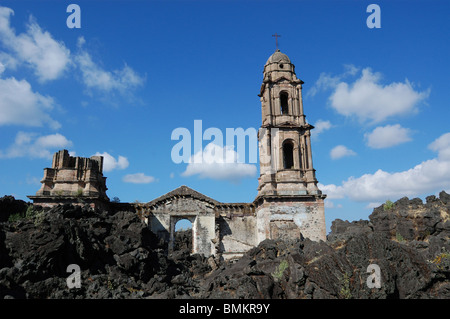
(73, 180)
(288, 201)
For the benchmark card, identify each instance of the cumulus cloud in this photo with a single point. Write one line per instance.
(327, 81)
(19, 105)
(35, 47)
(221, 163)
(95, 77)
(138, 178)
(7, 61)
(332, 191)
(320, 126)
(35, 146)
(50, 58)
(427, 177)
(388, 136)
(442, 146)
(110, 163)
(369, 101)
(340, 151)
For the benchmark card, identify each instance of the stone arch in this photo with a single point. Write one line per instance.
(185, 203)
(173, 221)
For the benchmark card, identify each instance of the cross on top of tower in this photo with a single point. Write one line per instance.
(276, 39)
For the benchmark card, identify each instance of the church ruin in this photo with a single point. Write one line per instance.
(72, 179)
(289, 203)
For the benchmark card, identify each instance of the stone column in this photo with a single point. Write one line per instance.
(300, 98)
(308, 144)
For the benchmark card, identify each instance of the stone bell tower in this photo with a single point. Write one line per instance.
(288, 201)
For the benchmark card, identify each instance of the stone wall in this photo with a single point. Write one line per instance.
(291, 218)
(236, 229)
(73, 180)
(184, 203)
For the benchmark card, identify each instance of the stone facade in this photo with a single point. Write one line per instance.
(75, 180)
(288, 201)
(288, 204)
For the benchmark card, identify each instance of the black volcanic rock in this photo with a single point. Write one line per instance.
(9, 205)
(120, 257)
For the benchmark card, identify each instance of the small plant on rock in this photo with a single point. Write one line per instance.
(388, 205)
(399, 238)
(278, 274)
(441, 259)
(345, 291)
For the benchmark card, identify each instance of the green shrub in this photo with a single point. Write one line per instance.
(38, 218)
(30, 212)
(278, 274)
(399, 237)
(388, 205)
(345, 291)
(441, 259)
(15, 217)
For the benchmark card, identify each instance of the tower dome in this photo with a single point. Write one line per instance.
(278, 57)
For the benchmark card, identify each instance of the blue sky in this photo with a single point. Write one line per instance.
(137, 70)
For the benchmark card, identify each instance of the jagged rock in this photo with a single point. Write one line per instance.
(9, 205)
(120, 258)
(344, 230)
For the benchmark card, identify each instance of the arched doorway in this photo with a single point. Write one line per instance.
(182, 233)
(183, 236)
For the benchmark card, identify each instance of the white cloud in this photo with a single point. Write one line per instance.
(388, 136)
(341, 151)
(7, 61)
(138, 178)
(373, 205)
(36, 48)
(442, 146)
(332, 191)
(110, 163)
(425, 178)
(32, 145)
(324, 82)
(320, 126)
(50, 59)
(19, 105)
(219, 163)
(327, 81)
(95, 77)
(368, 100)
(329, 204)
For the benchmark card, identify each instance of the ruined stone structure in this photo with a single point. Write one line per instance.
(288, 201)
(76, 180)
(217, 228)
(288, 204)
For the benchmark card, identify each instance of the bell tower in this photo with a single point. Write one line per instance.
(288, 201)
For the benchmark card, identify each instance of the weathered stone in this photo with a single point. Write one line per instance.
(9, 206)
(289, 204)
(73, 180)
